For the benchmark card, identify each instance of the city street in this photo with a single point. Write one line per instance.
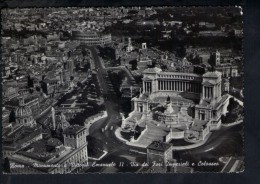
(117, 150)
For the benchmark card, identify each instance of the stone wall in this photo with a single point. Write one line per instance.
(92, 119)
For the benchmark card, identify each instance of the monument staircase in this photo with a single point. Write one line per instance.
(150, 134)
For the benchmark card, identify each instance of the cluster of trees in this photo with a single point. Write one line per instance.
(94, 147)
(23, 33)
(133, 64)
(126, 105)
(199, 70)
(97, 87)
(12, 116)
(65, 97)
(116, 80)
(235, 111)
(82, 116)
(85, 68)
(107, 53)
(232, 42)
(29, 82)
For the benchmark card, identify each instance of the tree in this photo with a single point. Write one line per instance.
(69, 54)
(31, 91)
(38, 88)
(232, 104)
(199, 70)
(79, 84)
(44, 87)
(181, 51)
(12, 117)
(196, 60)
(29, 82)
(133, 63)
(212, 61)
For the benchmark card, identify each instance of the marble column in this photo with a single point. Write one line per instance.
(162, 85)
(203, 91)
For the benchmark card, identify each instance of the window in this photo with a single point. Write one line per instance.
(202, 115)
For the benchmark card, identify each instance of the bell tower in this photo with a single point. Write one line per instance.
(130, 46)
(75, 136)
(217, 59)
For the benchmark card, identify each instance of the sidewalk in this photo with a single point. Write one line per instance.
(178, 148)
(102, 156)
(118, 135)
(232, 124)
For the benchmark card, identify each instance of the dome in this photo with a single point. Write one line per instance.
(23, 111)
(24, 114)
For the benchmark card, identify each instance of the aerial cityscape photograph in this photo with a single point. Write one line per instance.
(122, 90)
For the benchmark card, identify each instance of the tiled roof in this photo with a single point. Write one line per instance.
(73, 129)
(214, 74)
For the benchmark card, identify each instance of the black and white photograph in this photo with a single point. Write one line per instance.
(130, 89)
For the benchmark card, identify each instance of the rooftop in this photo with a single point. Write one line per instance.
(73, 129)
(207, 83)
(152, 70)
(40, 151)
(214, 74)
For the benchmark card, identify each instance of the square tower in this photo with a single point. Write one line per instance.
(211, 86)
(217, 59)
(158, 154)
(75, 136)
(144, 46)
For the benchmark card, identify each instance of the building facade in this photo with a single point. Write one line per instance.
(182, 105)
(155, 80)
(158, 155)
